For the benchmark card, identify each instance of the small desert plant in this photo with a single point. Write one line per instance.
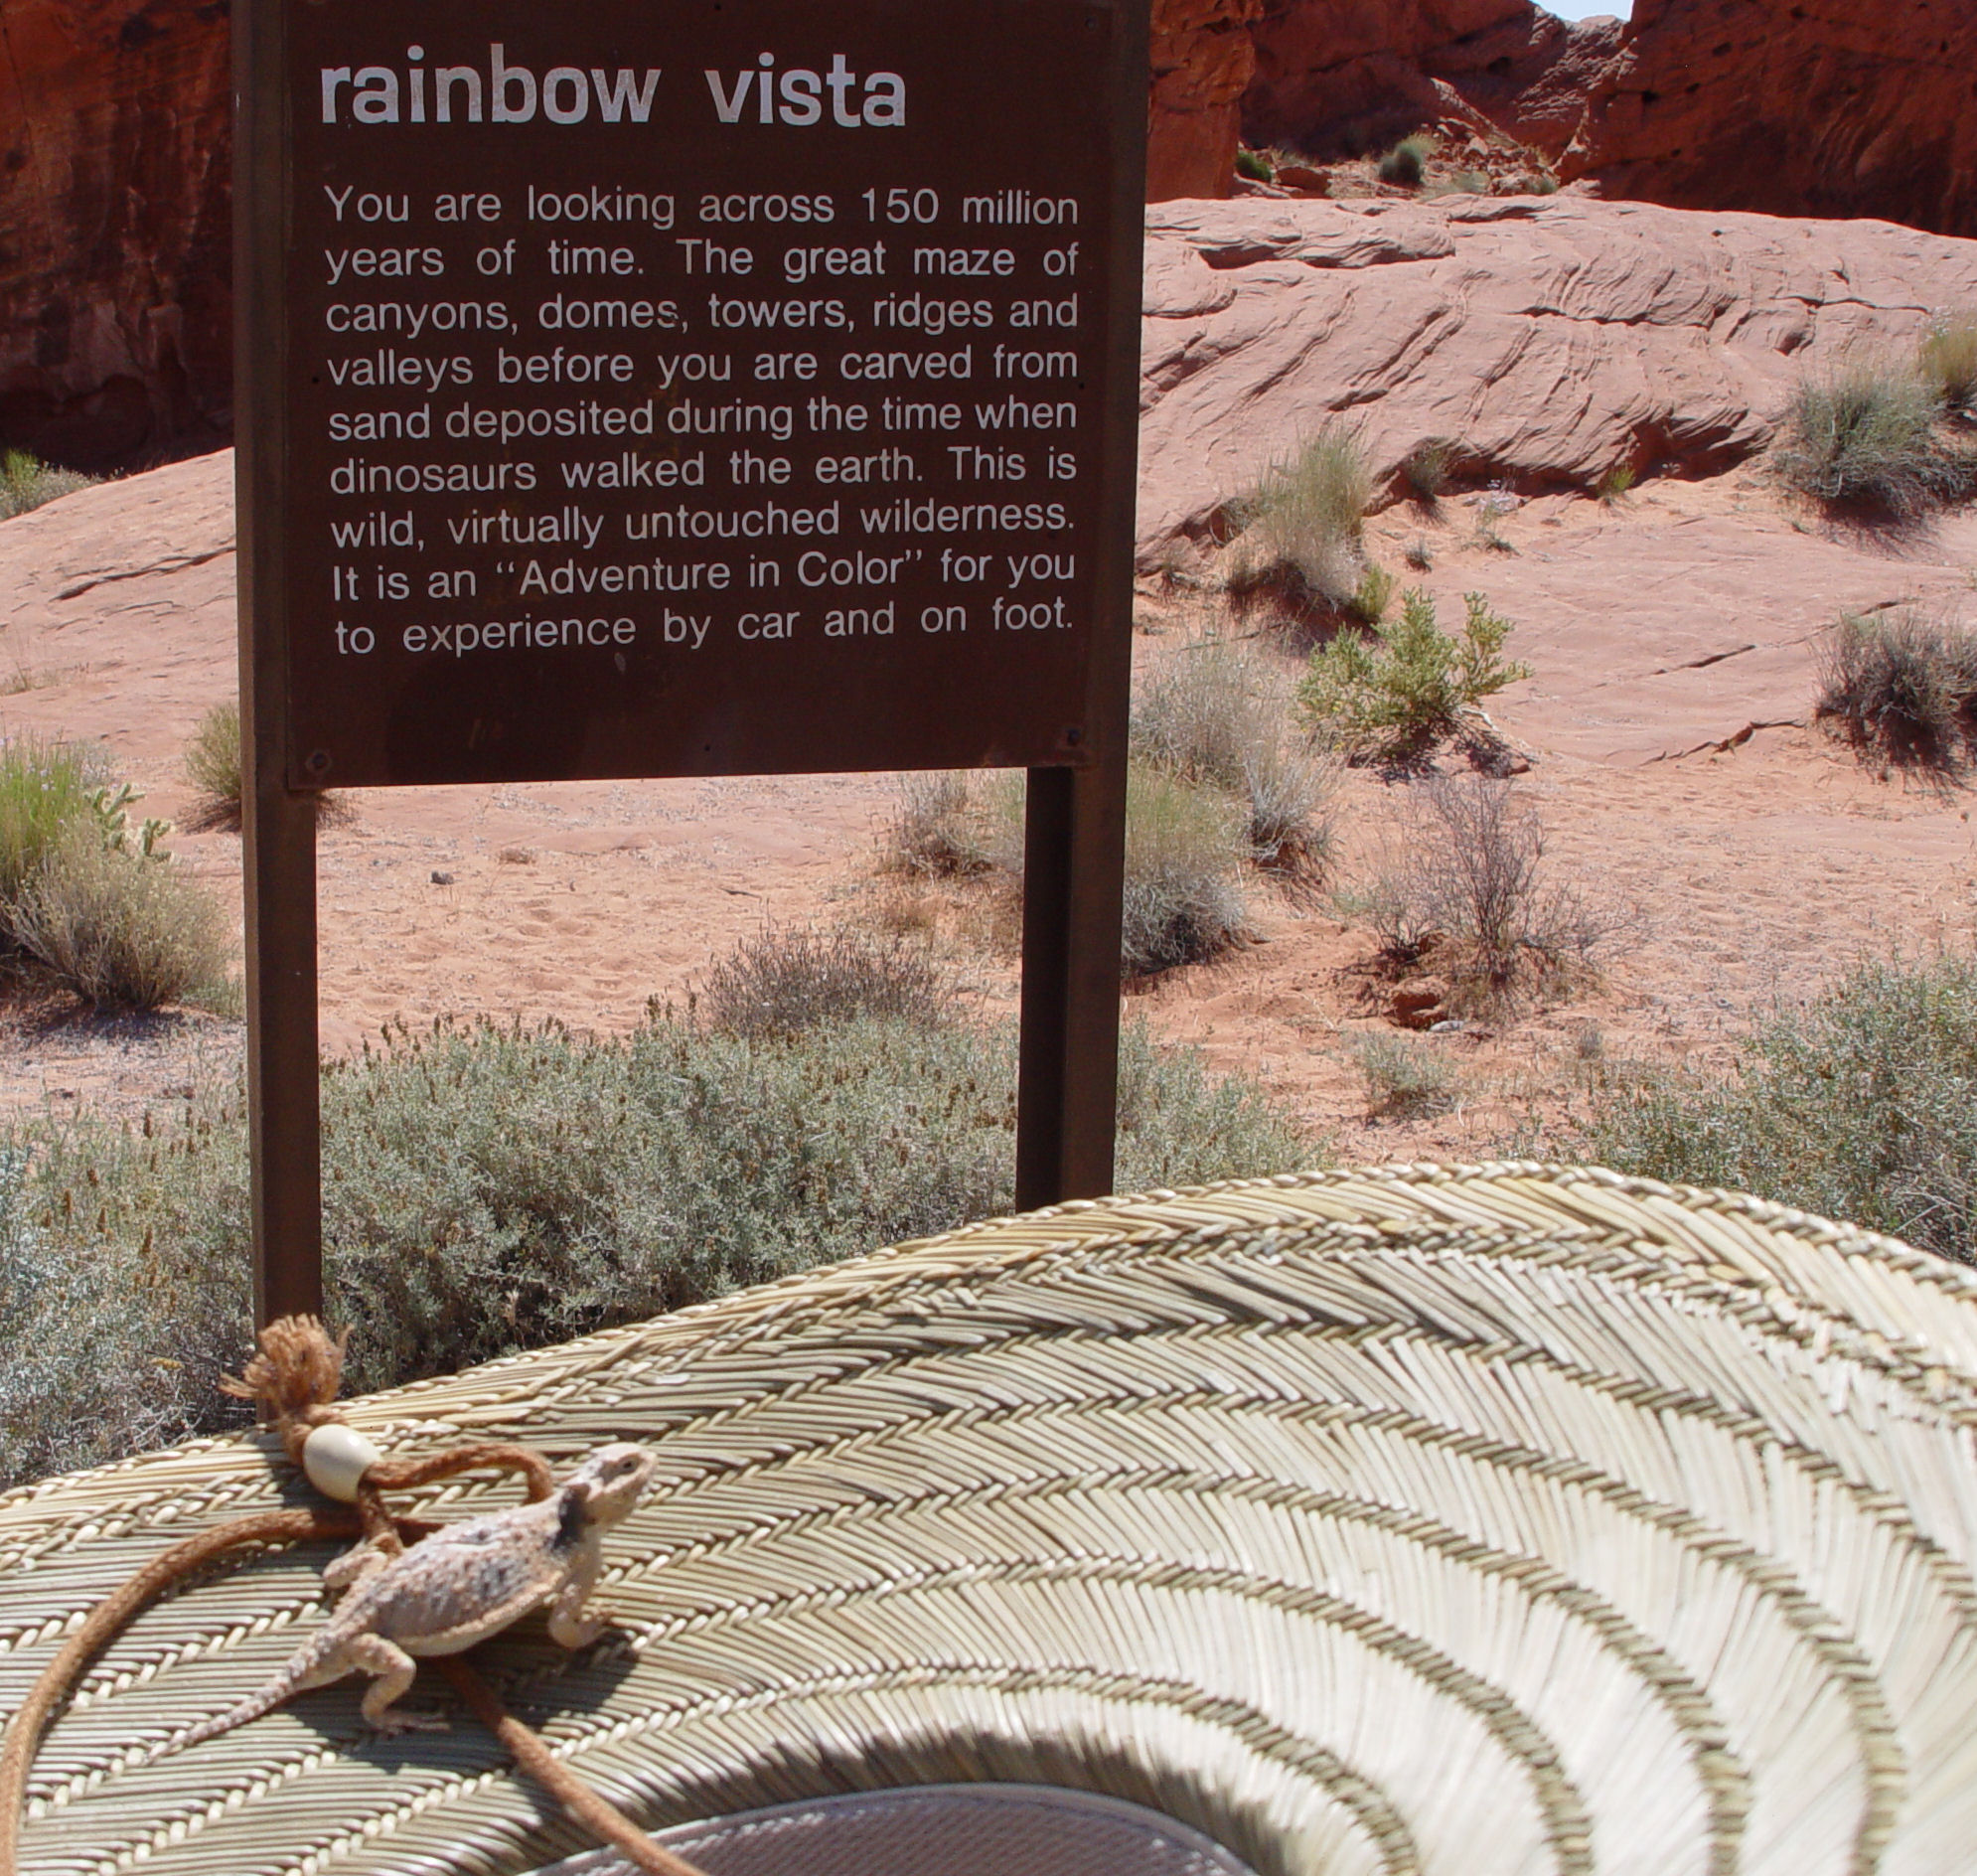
(1406, 161)
(941, 830)
(1901, 690)
(48, 789)
(1419, 554)
(1616, 483)
(212, 765)
(1308, 512)
(26, 482)
(1393, 695)
(1948, 362)
(1253, 165)
(1862, 1105)
(1867, 442)
(1467, 891)
(1372, 597)
(1186, 846)
(784, 980)
(1490, 512)
(1426, 469)
(1406, 1079)
(1463, 182)
(119, 928)
(1211, 717)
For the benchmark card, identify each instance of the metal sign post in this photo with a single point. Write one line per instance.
(737, 388)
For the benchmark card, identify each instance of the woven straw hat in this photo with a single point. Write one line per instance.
(1482, 1520)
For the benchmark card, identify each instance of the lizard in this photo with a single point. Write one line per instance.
(450, 1590)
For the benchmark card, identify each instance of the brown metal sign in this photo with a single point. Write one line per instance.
(710, 388)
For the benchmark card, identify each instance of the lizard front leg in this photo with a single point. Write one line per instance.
(568, 1627)
(344, 1573)
(394, 1668)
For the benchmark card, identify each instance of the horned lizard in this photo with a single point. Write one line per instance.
(455, 1587)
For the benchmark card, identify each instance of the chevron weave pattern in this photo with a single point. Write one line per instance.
(1492, 1520)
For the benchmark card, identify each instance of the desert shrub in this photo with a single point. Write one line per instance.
(214, 766)
(1406, 161)
(1947, 359)
(1253, 165)
(1868, 441)
(1419, 554)
(1186, 846)
(1392, 694)
(122, 929)
(1862, 1105)
(1465, 890)
(1405, 1078)
(1303, 554)
(1372, 597)
(1211, 719)
(784, 980)
(48, 790)
(1426, 469)
(26, 482)
(1616, 483)
(941, 830)
(1902, 688)
(490, 1188)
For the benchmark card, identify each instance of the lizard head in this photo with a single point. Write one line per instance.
(609, 1481)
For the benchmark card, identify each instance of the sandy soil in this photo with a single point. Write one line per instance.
(1742, 856)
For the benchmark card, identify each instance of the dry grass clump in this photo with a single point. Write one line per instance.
(1862, 1105)
(1463, 891)
(1901, 690)
(1185, 848)
(785, 981)
(1426, 470)
(1405, 1078)
(1213, 717)
(212, 765)
(1947, 360)
(26, 482)
(1391, 696)
(1301, 556)
(1406, 163)
(492, 1189)
(1869, 442)
(943, 830)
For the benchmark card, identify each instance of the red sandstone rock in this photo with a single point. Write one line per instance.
(115, 225)
(1814, 107)
(1202, 57)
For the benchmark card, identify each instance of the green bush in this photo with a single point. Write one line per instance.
(1302, 555)
(1406, 161)
(1868, 442)
(1426, 470)
(1616, 483)
(1901, 690)
(1253, 166)
(1947, 360)
(212, 765)
(26, 482)
(492, 1189)
(1862, 1106)
(1391, 696)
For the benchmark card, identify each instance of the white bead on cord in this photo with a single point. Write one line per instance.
(336, 1456)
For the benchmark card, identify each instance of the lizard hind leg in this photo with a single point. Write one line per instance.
(394, 1669)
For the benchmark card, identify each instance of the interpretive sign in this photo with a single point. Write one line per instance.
(653, 387)
(697, 389)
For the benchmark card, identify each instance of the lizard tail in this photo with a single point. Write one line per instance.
(300, 1672)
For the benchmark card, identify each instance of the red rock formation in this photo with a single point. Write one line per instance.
(114, 224)
(1202, 60)
(1828, 107)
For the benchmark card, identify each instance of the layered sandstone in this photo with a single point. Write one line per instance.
(1823, 107)
(115, 225)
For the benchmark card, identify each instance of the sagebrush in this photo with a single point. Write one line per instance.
(27, 483)
(1868, 441)
(488, 1188)
(1406, 161)
(1862, 1106)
